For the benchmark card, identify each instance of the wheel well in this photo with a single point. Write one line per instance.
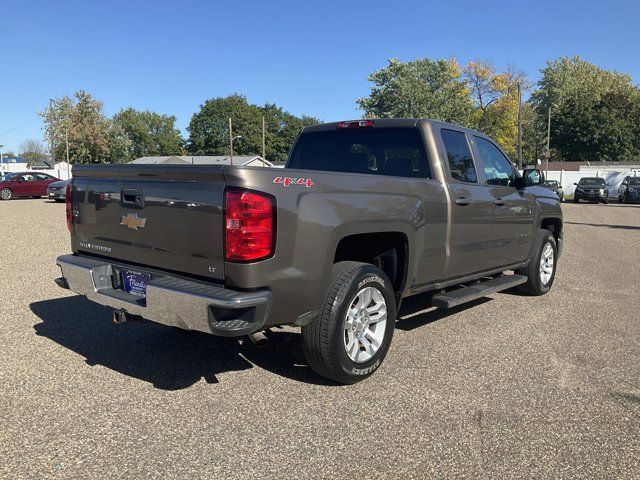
(385, 250)
(554, 225)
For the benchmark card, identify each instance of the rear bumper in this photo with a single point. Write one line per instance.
(170, 300)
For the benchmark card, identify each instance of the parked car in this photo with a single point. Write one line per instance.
(556, 187)
(25, 184)
(365, 213)
(629, 191)
(57, 191)
(593, 189)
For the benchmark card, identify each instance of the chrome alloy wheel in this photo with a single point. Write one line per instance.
(365, 324)
(5, 194)
(546, 264)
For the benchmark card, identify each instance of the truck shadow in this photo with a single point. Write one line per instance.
(174, 359)
(168, 358)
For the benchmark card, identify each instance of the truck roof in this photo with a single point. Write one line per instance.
(388, 123)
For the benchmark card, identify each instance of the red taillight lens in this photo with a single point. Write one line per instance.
(356, 124)
(69, 202)
(249, 225)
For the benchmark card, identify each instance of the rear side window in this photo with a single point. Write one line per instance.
(459, 156)
(379, 151)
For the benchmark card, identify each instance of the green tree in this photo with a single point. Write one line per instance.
(595, 113)
(420, 88)
(209, 128)
(148, 133)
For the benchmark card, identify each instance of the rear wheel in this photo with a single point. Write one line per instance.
(576, 200)
(6, 194)
(541, 270)
(352, 334)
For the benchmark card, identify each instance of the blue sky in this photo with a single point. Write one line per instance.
(308, 57)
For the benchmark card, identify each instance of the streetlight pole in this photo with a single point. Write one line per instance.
(1, 166)
(53, 154)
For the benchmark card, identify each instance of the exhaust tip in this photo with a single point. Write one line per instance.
(259, 339)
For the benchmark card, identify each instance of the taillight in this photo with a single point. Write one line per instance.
(356, 124)
(69, 202)
(249, 225)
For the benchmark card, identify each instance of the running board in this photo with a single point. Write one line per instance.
(462, 295)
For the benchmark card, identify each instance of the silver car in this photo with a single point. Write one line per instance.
(58, 191)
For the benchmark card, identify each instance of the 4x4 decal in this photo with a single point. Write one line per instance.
(286, 181)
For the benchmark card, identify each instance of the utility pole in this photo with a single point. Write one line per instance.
(231, 140)
(519, 128)
(52, 152)
(1, 166)
(264, 154)
(547, 153)
(66, 140)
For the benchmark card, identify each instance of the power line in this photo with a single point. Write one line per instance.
(20, 126)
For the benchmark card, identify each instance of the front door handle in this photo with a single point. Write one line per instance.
(499, 201)
(462, 201)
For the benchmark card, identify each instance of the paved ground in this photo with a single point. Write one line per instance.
(511, 387)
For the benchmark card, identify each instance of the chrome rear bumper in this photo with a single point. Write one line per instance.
(170, 300)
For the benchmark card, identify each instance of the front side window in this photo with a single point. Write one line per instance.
(29, 177)
(461, 163)
(498, 170)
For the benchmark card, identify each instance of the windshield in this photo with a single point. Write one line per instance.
(6, 177)
(634, 181)
(591, 181)
(376, 151)
(551, 183)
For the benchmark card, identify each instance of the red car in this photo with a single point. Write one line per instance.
(25, 184)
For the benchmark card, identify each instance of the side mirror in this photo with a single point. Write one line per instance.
(574, 183)
(533, 177)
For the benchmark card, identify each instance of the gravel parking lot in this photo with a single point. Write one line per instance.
(509, 387)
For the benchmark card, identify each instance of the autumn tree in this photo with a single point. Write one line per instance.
(81, 122)
(422, 88)
(495, 98)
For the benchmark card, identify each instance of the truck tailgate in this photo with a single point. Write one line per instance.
(162, 216)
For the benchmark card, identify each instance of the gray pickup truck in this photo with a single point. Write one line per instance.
(365, 213)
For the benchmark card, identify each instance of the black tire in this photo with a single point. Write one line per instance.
(606, 202)
(576, 200)
(6, 194)
(534, 285)
(324, 338)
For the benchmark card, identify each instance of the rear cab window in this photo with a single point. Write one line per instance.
(395, 152)
(459, 156)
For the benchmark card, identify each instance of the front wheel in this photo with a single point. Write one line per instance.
(541, 270)
(576, 200)
(352, 334)
(6, 194)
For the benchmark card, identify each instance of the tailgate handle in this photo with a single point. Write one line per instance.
(132, 197)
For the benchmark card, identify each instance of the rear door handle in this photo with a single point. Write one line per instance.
(499, 201)
(462, 201)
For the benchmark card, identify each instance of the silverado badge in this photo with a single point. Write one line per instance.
(133, 221)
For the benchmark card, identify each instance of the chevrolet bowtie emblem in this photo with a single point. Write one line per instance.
(133, 221)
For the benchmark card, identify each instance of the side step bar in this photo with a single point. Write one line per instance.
(462, 295)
